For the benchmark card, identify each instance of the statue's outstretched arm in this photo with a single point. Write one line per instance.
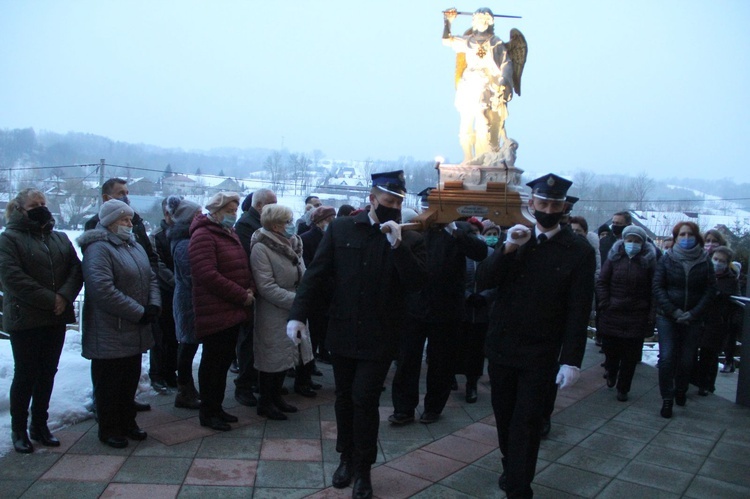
(448, 16)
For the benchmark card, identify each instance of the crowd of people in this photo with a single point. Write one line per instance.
(351, 288)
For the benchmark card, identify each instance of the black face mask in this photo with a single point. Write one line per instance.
(547, 220)
(617, 230)
(40, 215)
(386, 214)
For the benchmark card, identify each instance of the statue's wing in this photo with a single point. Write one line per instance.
(517, 50)
(460, 66)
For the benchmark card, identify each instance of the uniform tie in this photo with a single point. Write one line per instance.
(541, 238)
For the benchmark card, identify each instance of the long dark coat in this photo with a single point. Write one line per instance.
(626, 305)
(544, 301)
(722, 314)
(370, 281)
(248, 223)
(310, 242)
(442, 297)
(35, 266)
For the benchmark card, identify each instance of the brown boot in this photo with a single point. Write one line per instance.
(187, 397)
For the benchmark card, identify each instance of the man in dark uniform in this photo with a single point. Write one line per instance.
(545, 282)
(117, 188)
(247, 377)
(371, 265)
(164, 352)
(434, 315)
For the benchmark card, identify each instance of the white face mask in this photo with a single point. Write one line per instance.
(124, 231)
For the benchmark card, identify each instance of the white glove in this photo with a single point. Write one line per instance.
(296, 330)
(392, 231)
(450, 228)
(567, 376)
(519, 235)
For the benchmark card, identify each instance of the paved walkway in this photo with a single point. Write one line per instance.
(598, 447)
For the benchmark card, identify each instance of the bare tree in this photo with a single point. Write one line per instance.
(76, 203)
(298, 165)
(274, 165)
(639, 188)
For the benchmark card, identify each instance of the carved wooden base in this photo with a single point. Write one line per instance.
(502, 203)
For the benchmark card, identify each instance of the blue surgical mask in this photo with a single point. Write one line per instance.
(290, 230)
(687, 243)
(719, 267)
(491, 241)
(633, 249)
(228, 221)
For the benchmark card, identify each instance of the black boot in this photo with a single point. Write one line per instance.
(303, 381)
(266, 406)
(680, 398)
(187, 397)
(666, 408)
(21, 442)
(342, 477)
(362, 488)
(41, 433)
(471, 389)
(278, 400)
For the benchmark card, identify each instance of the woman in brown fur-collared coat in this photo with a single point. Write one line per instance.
(277, 265)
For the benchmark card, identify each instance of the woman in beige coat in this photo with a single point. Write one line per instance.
(277, 266)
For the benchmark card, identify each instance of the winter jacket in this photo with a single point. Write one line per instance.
(35, 266)
(248, 223)
(544, 299)
(182, 301)
(370, 280)
(441, 298)
(310, 242)
(120, 283)
(165, 275)
(478, 303)
(221, 277)
(722, 315)
(278, 268)
(626, 304)
(674, 290)
(139, 231)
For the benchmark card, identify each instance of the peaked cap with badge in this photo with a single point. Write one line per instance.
(550, 187)
(390, 182)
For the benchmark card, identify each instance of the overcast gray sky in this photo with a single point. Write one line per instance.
(609, 86)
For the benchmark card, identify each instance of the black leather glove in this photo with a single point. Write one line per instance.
(149, 315)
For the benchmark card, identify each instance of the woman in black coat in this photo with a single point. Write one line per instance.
(41, 277)
(722, 318)
(626, 312)
(684, 285)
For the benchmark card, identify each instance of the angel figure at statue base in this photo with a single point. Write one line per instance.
(488, 71)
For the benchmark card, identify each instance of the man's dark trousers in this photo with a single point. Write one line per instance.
(441, 352)
(518, 400)
(359, 384)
